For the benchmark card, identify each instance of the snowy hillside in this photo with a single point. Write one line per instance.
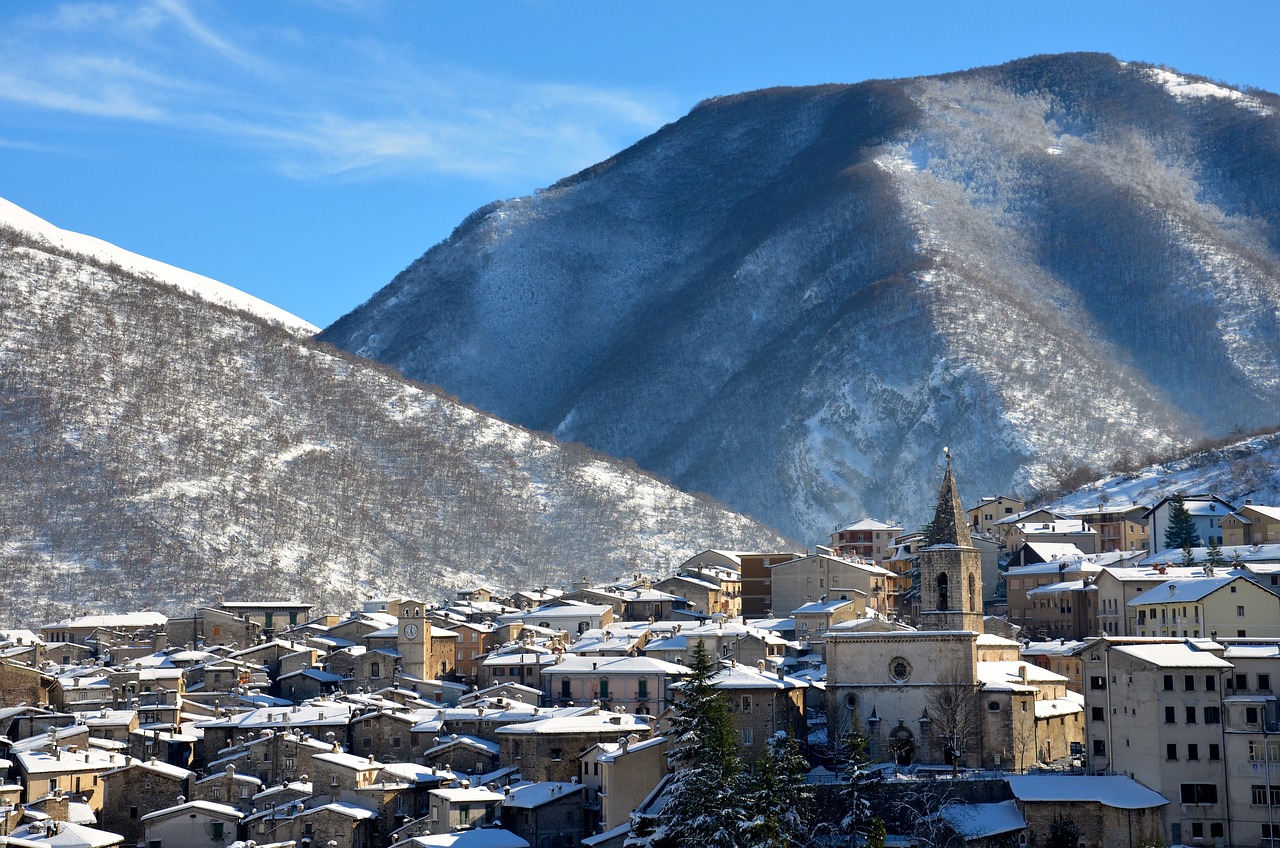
(19, 219)
(794, 298)
(161, 450)
(1248, 469)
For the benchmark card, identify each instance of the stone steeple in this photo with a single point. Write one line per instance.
(949, 526)
(950, 567)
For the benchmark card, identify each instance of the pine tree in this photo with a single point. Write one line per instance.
(780, 804)
(705, 799)
(1213, 557)
(859, 822)
(1181, 532)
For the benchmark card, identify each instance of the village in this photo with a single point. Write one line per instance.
(1021, 668)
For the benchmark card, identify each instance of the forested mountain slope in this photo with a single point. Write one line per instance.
(162, 450)
(794, 298)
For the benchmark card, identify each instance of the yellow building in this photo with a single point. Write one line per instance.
(1208, 606)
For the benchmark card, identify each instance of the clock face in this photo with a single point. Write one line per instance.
(410, 630)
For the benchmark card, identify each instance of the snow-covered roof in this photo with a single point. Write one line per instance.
(571, 664)
(1183, 590)
(467, 794)
(1019, 517)
(750, 677)
(1057, 553)
(473, 742)
(1015, 674)
(122, 621)
(67, 835)
(592, 723)
(1056, 588)
(820, 607)
(208, 807)
(978, 821)
(1230, 553)
(483, 837)
(869, 524)
(1056, 707)
(1076, 564)
(1171, 655)
(532, 795)
(413, 773)
(1118, 791)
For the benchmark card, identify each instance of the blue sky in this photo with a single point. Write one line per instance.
(306, 151)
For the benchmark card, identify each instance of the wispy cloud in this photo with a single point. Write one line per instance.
(313, 106)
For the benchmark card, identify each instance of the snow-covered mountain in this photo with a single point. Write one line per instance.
(1245, 470)
(169, 441)
(15, 217)
(794, 298)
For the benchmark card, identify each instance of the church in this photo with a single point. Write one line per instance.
(950, 692)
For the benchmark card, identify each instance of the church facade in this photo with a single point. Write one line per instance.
(949, 693)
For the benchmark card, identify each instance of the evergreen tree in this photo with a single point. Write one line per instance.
(1188, 557)
(705, 799)
(859, 822)
(780, 803)
(1213, 557)
(1063, 833)
(1181, 532)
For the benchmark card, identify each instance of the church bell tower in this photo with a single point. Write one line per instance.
(950, 567)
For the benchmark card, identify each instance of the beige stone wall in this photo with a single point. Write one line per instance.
(1100, 826)
(766, 712)
(130, 794)
(388, 738)
(22, 685)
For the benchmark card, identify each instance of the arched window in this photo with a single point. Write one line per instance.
(973, 594)
(604, 687)
(942, 591)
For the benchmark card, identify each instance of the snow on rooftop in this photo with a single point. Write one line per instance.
(532, 795)
(1117, 791)
(977, 821)
(1182, 590)
(485, 837)
(1172, 655)
(592, 723)
(191, 283)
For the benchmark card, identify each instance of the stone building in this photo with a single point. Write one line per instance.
(825, 576)
(761, 704)
(1108, 810)
(133, 791)
(455, 808)
(24, 685)
(546, 815)
(548, 749)
(227, 786)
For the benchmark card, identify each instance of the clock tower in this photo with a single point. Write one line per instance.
(413, 640)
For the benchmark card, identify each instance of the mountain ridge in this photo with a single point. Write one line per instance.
(822, 287)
